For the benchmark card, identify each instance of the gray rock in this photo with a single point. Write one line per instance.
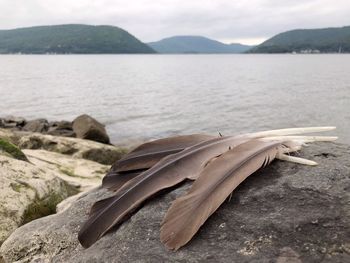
(18, 121)
(284, 213)
(39, 125)
(61, 128)
(8, 125)
(62, 132)
(86, 127)
(61, 125)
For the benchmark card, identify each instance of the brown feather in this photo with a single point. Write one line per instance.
(214, 184)
(114, 180)
(148, 154)
(168, 172)
(145, 156)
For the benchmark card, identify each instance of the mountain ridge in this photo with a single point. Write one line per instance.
(71, 39)
(320, 40)
(183, 44)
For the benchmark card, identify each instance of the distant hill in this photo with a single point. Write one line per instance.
(195, 44)
(327, 40)
(76, 39)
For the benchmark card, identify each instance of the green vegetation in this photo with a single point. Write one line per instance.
(195, 44)
(46, 206)
(75, 39)
(12, 150)
(327, 40)
(42, 207)
(16, 187)
(68, 172)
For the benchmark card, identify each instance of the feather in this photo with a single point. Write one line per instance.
(215, 183)
(148, 154)
(168, 172)
(114, 180)
(145, 156)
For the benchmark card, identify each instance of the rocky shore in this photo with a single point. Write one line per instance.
(84, 127)
(43, 163)
(284, 213)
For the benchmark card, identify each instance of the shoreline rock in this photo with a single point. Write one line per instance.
(75, 147)
(83, 126)
(283, 213)
(86, 127)
(27, 192)
(38, 171)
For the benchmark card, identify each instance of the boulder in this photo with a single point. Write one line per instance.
(12, 121)
(39, 125)
(61, 125)
(62, 132)
(86, 127)
(283, 213)
(78, 148)
(61, 128)
(27, 192)
(8, 125)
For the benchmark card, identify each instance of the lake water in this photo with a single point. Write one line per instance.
(150, 96)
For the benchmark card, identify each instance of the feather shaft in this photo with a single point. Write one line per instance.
(292, 131)
(294, 159)
(303, 139)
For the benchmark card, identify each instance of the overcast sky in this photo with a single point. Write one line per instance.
(243, 21)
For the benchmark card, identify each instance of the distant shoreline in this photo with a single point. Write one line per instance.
(88, 39)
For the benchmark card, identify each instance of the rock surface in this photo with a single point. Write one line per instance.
(34, 181)
(78, 148)
(39, 125)
(78, 172)
(11, 122)
(86, 127)
(27, 192)
(284, 213)
(61, 128)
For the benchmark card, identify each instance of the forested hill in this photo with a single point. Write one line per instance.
(195, 44)
(327, 40)
(74, 38)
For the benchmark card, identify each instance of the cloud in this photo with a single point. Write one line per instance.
(151, 20)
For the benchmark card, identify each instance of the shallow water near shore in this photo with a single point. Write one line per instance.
(142, 97)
